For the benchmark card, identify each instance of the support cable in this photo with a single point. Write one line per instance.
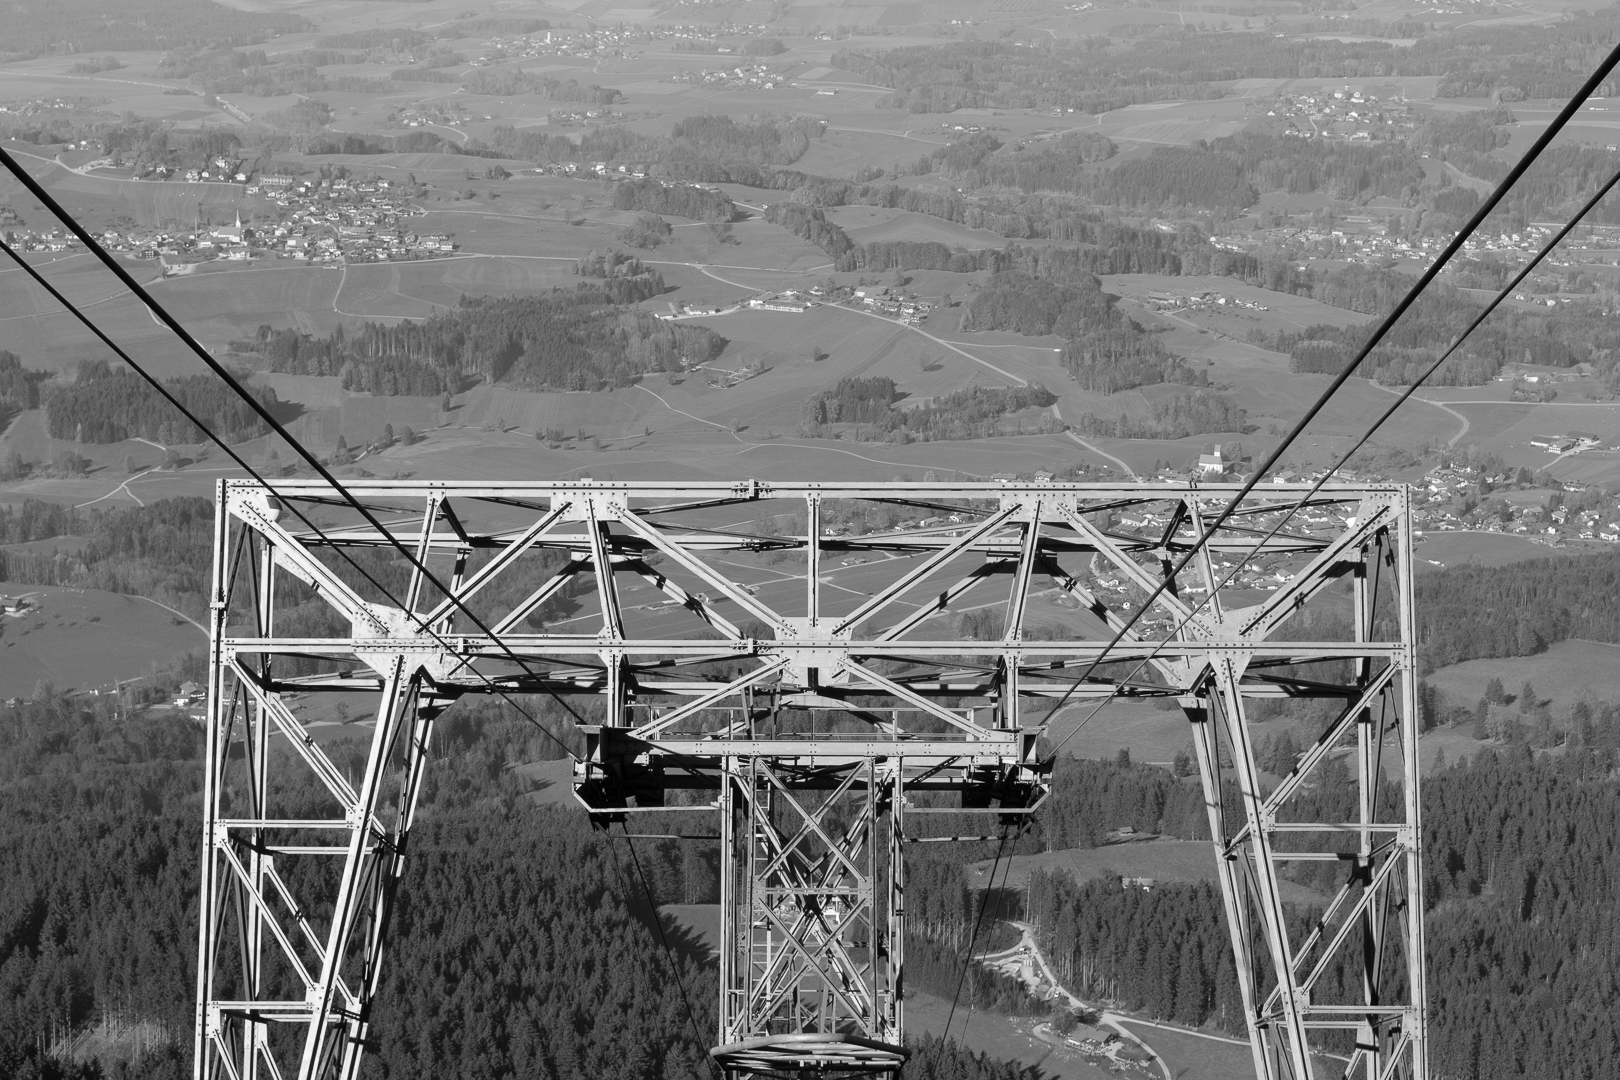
(1557, 124)
(967, 961)
(159, 312)
(1000, 896)
(1411, 389)
(658, 924)
(290, 503)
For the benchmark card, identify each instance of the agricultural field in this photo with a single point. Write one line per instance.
(1569, 671)
(1441, 549)
(1186, 1054)
(86, 639)
(1003, 1037)
(1161, 860)
(1152, 734)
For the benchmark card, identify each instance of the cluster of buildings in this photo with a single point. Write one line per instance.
(445, 112)
(585, 114)
(1368, 239)
(219, 170)
(344, 219)
(50, 240)
(1204, 301)
(1442, 496)
(40, 106)
(744, 77)
(1341, 114)
(597, 42)
(603, 170)
(1572, 442)
(791, 300)
(326, 220)
(894, 304)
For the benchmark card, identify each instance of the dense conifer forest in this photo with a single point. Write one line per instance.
(970, 413)
(1179, 63)
(510, 903)
(78, 26)
(515, 81)
(106, 404)
(579, 339)
(19, 386)
(504, 896)
(679, 200)
(1173, 416)
(698, 149)
(1517, 855)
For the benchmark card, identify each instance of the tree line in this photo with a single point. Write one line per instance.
(106, 405)
(513, 82)
(698, 149)
(579, 339)
(1179, 63)
(1174, 416)
(505, 902)
(1475, 612)
(1564, 337)
(80, 26)
(973, 412)
(679, 200)
(524, 943)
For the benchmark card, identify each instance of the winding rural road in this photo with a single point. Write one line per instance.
(1130, 472)
(683, 412)
(124, 487)
(1108, 1017)
(1444, 408)
(703, 268)
(177, 614)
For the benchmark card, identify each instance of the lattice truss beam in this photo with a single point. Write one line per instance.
(825, 665)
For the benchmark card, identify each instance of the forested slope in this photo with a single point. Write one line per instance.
(569, 339)
(1472, 612)
(522, 951)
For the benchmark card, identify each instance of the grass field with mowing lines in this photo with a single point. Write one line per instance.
(1442, 549)
(1291, 312)
(870, 224)
(1151, 734)
(87, 638)
(1162, 860)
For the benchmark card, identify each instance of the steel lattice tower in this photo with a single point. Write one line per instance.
(805, 660)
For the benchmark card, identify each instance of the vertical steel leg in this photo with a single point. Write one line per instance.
(1234, 884)
(1261, 867)
(1416, 1026)
(209, 1042)
(895, 936)
(323, 1044)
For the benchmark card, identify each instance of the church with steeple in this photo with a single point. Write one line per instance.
(230, 233)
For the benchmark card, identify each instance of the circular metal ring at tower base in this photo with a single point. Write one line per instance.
(822, 1052)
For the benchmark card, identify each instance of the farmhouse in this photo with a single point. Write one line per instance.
(782, 302)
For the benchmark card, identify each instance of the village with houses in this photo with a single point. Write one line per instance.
(888, 301)
(327, 219)
(616, 41)
(1341, 114)
(742, 77)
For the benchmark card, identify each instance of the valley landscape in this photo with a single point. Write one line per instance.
(1000, 241)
